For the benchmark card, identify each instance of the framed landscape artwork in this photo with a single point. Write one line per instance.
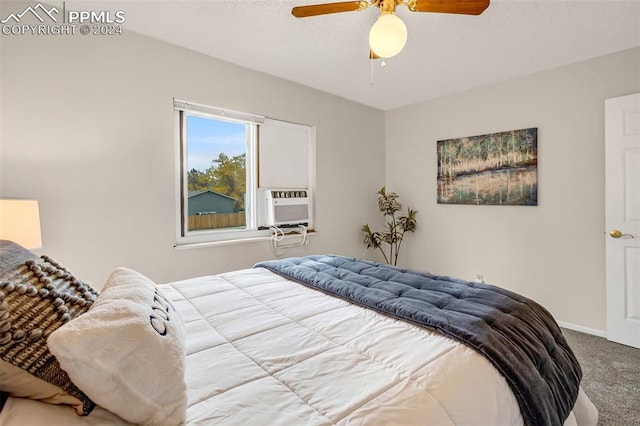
(498, 168)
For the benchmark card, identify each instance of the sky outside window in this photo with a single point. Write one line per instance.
(208, 137)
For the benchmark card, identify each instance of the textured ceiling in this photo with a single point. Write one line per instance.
(444, 53)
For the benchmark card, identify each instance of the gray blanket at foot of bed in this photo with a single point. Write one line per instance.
(518, 336)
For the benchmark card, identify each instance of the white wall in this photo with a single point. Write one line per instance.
(553, 253)
(86, 127)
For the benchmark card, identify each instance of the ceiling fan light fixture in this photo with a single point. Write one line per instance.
(388, 35)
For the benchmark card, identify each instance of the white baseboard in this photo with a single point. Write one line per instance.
(582, 329)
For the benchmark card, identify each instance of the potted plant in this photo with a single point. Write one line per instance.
(389, 240)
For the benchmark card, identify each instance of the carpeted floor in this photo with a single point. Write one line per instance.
(611, 377)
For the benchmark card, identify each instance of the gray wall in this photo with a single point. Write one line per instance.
(553, 253)
(87, 128)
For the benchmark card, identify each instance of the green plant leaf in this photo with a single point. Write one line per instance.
(395, 227)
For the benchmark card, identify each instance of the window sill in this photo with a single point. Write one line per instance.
(233, 241)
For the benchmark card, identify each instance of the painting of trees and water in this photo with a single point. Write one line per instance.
(499, 169)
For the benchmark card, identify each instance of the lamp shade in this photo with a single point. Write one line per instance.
(20, 222)
(388, 35)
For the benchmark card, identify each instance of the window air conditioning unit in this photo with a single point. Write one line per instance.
(285, 207)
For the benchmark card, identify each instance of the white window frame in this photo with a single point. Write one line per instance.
(185, 238)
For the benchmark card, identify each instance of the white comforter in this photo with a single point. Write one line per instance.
(262, 350)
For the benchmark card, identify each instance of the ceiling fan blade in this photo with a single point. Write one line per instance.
(326, 8)
(464, 7)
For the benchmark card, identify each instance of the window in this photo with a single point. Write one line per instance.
(227, 161)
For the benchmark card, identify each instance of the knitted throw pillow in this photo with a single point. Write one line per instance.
(37, 296)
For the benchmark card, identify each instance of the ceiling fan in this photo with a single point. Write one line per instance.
(389, 34)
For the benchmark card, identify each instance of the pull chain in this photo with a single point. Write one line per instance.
(382, 65)
(371, 60)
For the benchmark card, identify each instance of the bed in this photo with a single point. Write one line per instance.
(258, 346)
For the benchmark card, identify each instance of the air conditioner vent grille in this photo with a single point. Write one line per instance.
(289, 194)
(291, 213)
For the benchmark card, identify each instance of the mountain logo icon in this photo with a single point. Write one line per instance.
(39, 11)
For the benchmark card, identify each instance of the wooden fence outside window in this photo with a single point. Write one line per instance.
(216, 220)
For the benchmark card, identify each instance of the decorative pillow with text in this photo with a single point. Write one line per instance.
(127, 352)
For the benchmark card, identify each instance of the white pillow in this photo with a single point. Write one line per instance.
(127, 352)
